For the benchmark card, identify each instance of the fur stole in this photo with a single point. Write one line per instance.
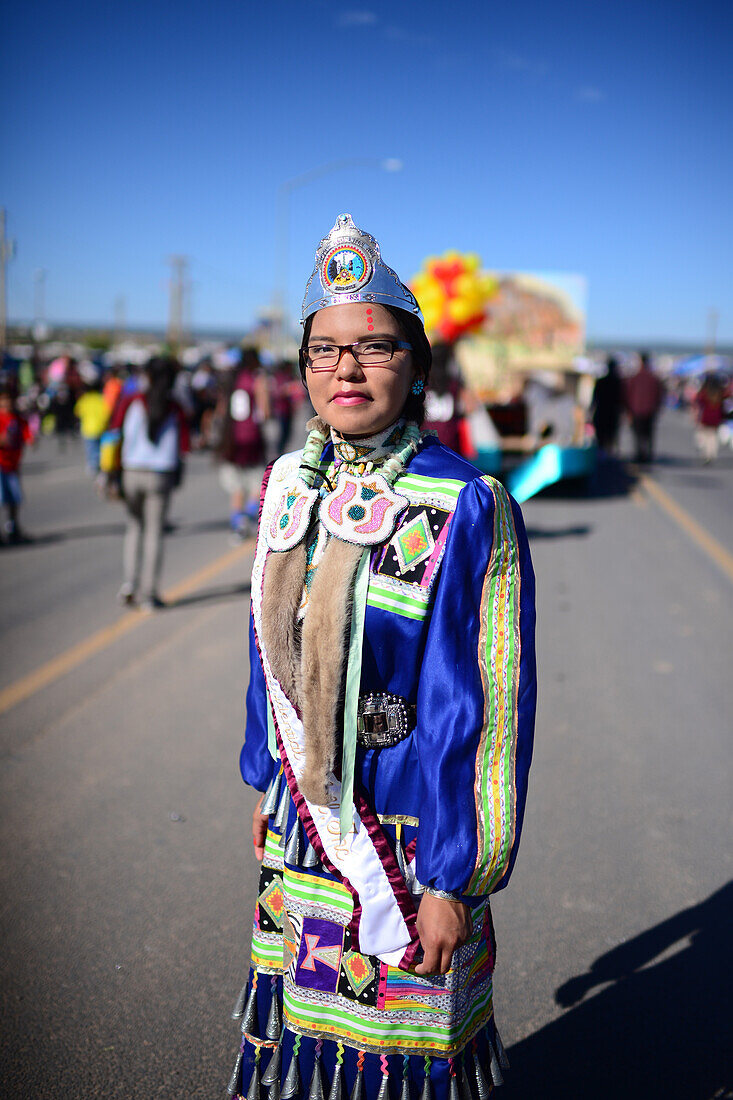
(310, 664)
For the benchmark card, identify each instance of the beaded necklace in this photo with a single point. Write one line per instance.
(362, 508)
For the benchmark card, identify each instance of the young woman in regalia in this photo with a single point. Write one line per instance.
(389, 722)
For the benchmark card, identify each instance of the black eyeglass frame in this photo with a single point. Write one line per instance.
(397, 345)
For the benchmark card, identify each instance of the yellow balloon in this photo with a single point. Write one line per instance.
(465, 284)
(459, 310)
(432, 294)
(472, 261)
(431, 317)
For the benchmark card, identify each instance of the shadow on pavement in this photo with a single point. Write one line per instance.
(85, 532)
(579, 530)
(94, 530)
(660, 1029)
(724, 460)
(211, 595)
(202, 528)
(611, 478)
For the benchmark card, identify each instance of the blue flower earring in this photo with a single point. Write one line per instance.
(417, 387)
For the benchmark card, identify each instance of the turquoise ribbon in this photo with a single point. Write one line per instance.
(271, 740)
(351, 701)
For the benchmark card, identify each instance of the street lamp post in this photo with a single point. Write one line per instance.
(282, 236)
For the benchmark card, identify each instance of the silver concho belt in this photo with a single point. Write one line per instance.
(383, 720)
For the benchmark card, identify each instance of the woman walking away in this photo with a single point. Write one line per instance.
(709, 416)
(154, 436)
(390, 717)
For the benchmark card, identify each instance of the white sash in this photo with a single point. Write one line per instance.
(382, 928)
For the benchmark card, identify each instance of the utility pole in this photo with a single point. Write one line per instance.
(177, 292)
(40, 328)
(712, 332)
(7, 251)
(120, 316)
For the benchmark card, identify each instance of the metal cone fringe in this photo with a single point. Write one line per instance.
(292, 848)
(234, 1079)
(253, 1092)
(315, 1091)
(482, 1085)
(496, 1075)
(357, 1093)
(337, 1083)
(291, 1086)
(383, 1093)
(269, 802)
(310, 859)
(282, 810)
(238, 1009)
(273, 1029)
(272, 1073)
(427, 1089)
(249, 1020)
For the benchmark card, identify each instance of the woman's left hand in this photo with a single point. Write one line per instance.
(259, 829)
(442, 926)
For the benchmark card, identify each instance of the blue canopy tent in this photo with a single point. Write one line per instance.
(694, 365)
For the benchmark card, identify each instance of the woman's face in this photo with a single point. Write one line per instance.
(356, 400)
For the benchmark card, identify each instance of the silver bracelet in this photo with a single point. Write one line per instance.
(442, 894)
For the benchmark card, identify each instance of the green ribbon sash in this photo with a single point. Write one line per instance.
(271, 739)
(351, 701)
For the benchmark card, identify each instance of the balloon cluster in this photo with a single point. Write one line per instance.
(452, 292)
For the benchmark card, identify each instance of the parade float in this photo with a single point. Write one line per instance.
(517, 340)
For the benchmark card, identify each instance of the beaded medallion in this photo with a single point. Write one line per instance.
(290, 519)
(362, 510)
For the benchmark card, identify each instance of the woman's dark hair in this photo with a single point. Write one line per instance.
(411, 329)
(441, 377)
(161, 371)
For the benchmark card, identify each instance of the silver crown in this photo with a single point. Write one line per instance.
(349, 268)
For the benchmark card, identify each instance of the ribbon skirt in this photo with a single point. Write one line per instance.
(319, 1019)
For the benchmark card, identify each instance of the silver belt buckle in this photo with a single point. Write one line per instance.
(382, 719)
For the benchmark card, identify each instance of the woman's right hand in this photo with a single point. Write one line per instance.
(259, 829)
(442, 925)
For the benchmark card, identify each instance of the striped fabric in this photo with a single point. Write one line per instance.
(498, 658)
(312, 890)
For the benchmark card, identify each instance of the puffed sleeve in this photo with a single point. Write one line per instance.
(255, 762)
(476, 698)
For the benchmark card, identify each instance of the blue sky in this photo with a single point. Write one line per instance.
(585, 137)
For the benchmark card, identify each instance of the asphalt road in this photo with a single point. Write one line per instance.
(127, 880)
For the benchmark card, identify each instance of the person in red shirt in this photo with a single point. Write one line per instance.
(643, 396)
(245, 406)
(709, 416)
(14, 434)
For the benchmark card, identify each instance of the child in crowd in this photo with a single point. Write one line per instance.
(14, 434)
(93, 413)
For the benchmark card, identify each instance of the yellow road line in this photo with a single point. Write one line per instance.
(690, 526)
(638, 498)
(65, 662)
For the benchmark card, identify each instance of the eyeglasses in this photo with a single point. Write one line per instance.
(367, 353)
